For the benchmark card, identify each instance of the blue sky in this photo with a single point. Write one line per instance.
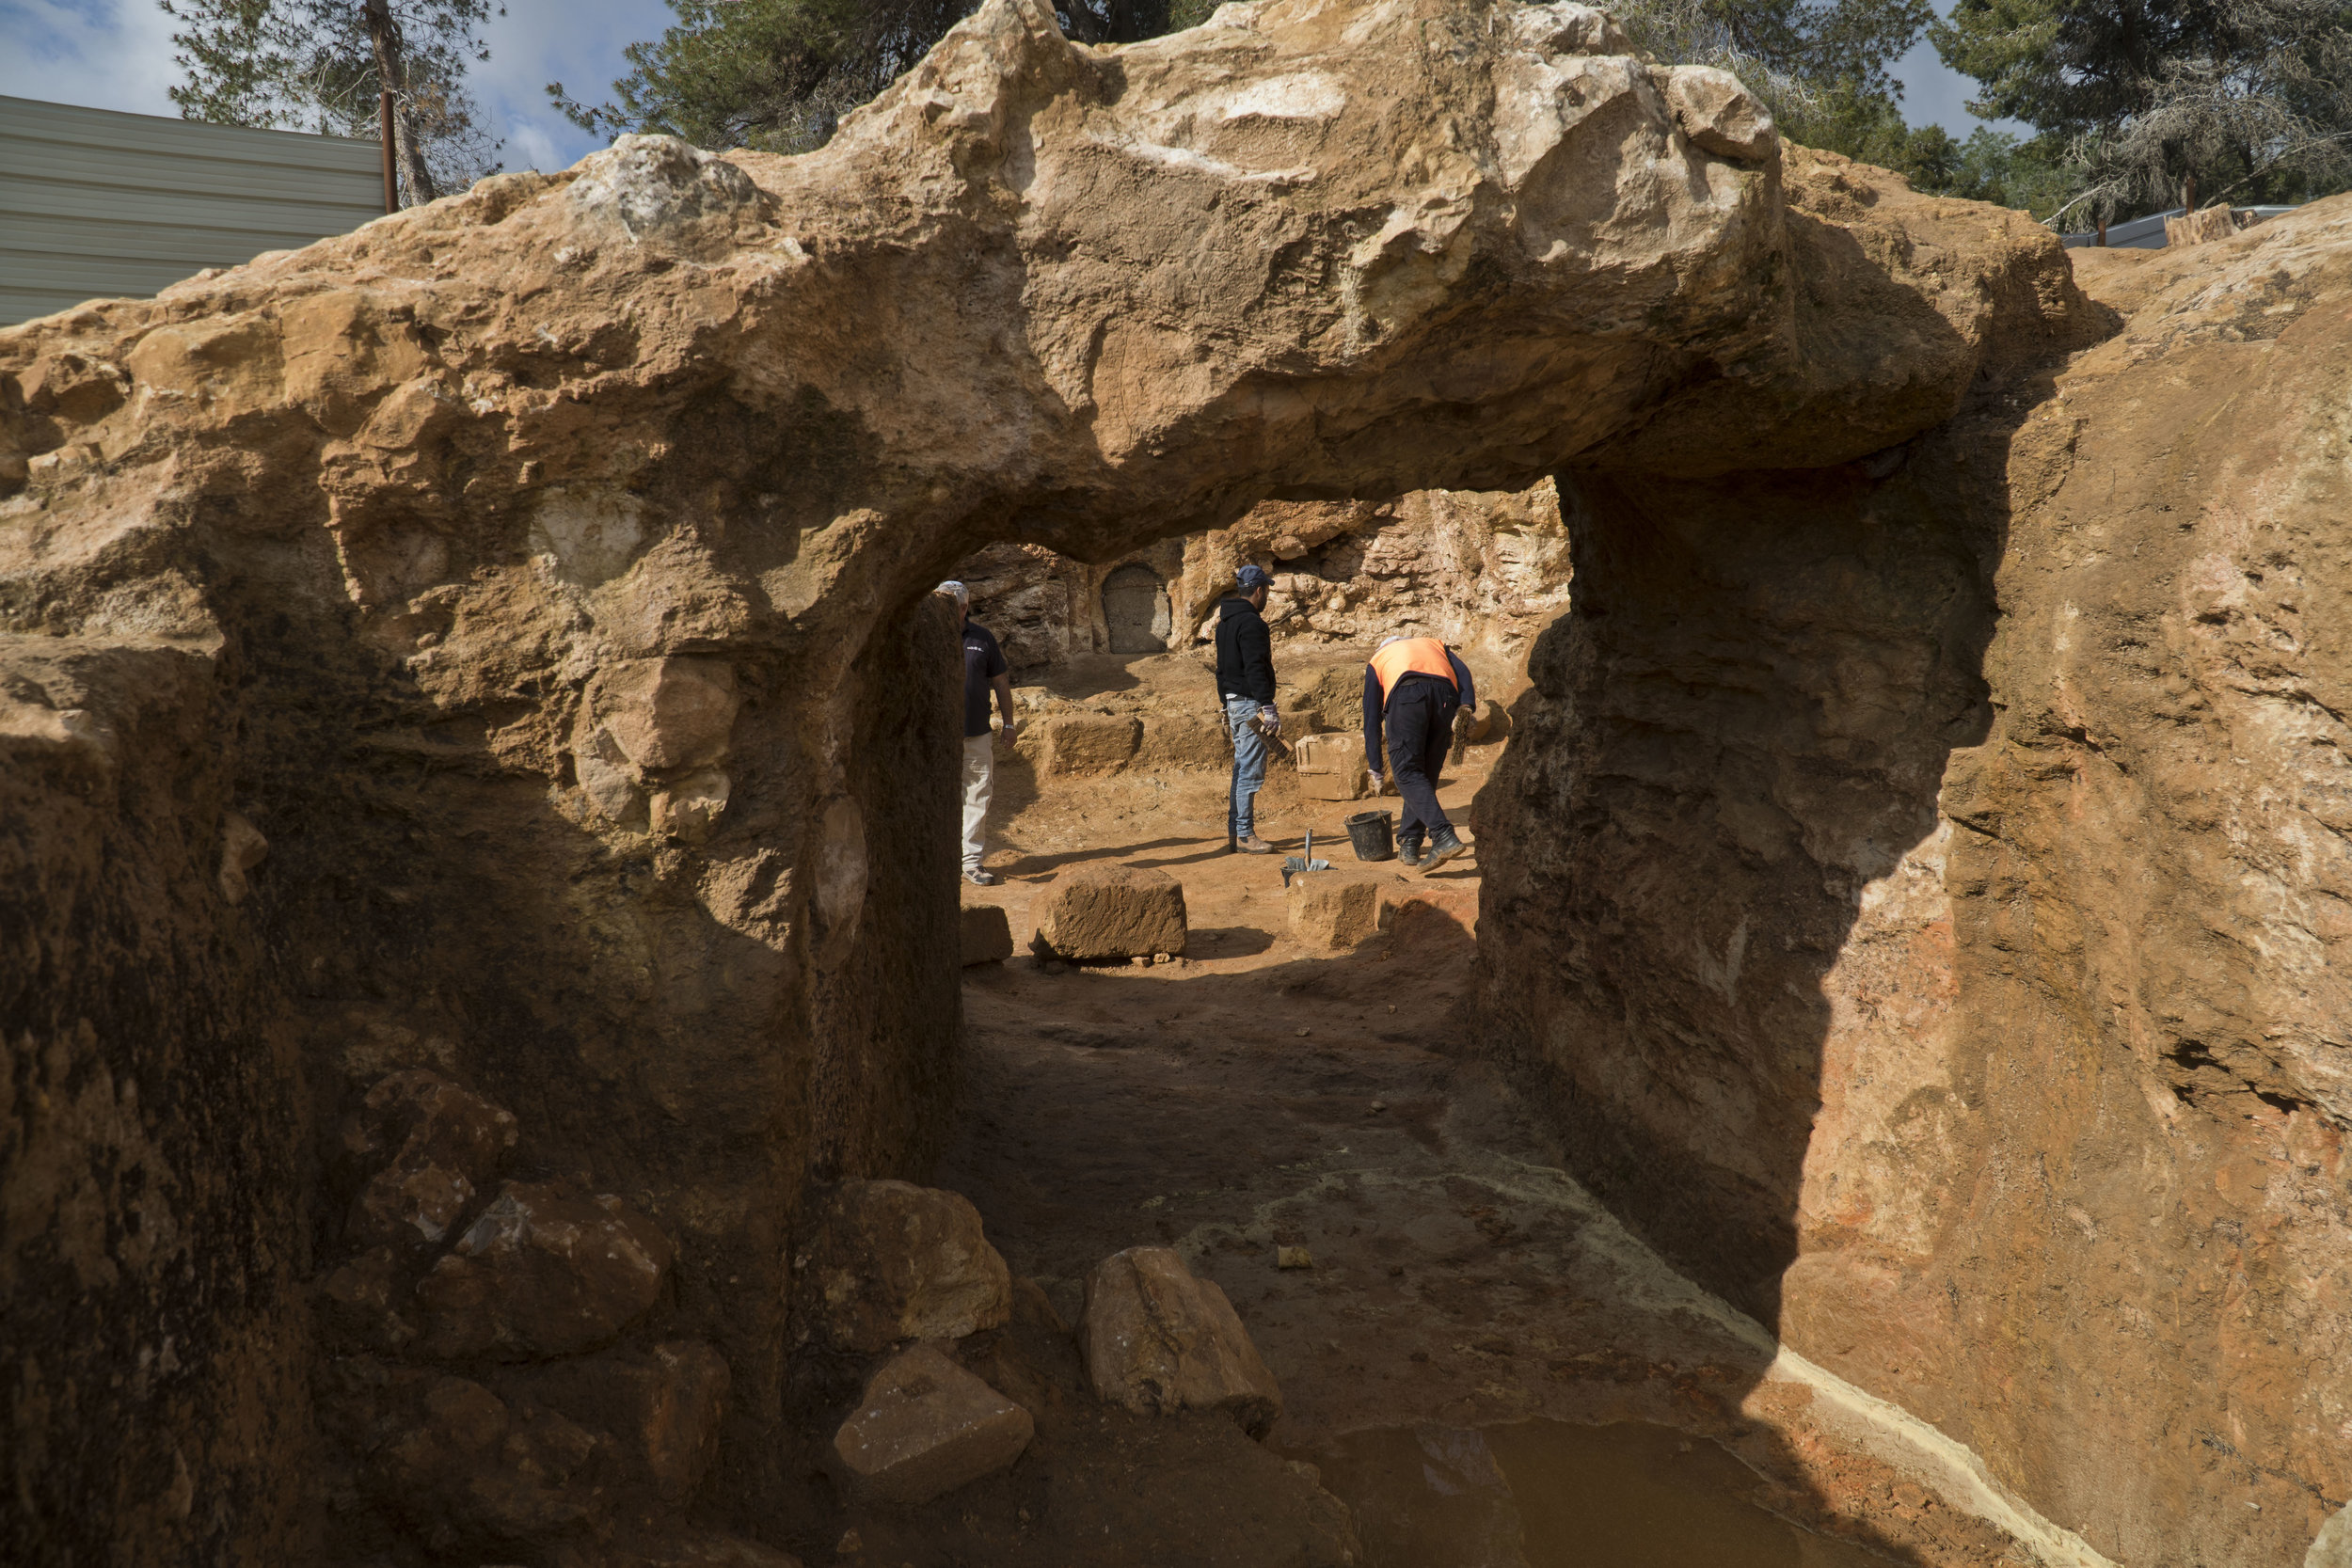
(116, 54)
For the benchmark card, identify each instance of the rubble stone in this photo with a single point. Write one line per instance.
(1182, 741)
(361, 1301)
(1158, 1339)
(1112, 911)
(927, 1427)
(1331, 911)
(439, 1146)
(889, 1261)
(661, 1408)
(458, 1455)
(986, 933)
(541, 1273)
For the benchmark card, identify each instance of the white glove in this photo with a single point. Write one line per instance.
(1270, 722)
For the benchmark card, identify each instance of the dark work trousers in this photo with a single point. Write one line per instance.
(1418, 728)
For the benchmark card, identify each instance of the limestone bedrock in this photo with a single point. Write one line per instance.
(1940, 867)
(355, 547)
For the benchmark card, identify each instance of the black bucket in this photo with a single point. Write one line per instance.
(1370, 832)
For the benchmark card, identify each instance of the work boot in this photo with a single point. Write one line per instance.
(1409, 848)
(1250, 844)
(981, 878)
(1443, 845)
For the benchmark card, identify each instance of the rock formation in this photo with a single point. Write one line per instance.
(1937, 865)
(1484, 571)
(496, 644)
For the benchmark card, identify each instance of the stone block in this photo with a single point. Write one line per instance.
(542, 1272)
(1330, 767)
(434, 1147)
(1075, 745)
(888, 1262)
(1112, 911)
(1331, 911)
(1184, 743)
(1157, 1339)
(927, 1427)
(987, 932)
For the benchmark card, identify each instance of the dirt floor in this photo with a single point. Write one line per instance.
(1480, 1364)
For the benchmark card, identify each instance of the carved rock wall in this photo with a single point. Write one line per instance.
(1486, 571)
(541, 576)
(1919, 889)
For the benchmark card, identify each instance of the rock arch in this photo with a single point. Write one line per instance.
(540, 572)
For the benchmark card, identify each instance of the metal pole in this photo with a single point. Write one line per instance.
(383, 129)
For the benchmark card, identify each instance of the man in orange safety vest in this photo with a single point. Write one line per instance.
(1413, 688)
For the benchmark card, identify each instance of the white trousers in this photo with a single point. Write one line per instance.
(979, 788)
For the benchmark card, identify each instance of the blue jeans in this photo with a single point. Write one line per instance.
(1241, 717)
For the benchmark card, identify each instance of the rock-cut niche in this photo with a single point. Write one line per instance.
(1135, 609)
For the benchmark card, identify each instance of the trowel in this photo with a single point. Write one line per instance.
(1292, 865)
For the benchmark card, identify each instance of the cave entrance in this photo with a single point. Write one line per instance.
(1135, 609)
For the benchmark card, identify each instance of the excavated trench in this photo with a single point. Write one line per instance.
(477, 872)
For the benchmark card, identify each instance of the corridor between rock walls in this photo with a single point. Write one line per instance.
(477, 845)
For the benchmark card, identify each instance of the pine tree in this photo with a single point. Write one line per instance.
(779, 74)
(2158, 102)
(320, 65)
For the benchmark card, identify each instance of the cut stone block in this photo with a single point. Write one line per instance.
(1330, 767)
(927, 1427)
(1113, 911)
(1157, 1339)
(889, 1261)
(1331, 911)
(987, 935)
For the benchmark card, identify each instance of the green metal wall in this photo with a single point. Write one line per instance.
(97, 204)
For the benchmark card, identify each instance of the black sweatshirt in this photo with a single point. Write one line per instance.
(1375, 707)
(1245, 652)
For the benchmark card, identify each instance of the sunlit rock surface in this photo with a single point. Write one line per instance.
(538, 576)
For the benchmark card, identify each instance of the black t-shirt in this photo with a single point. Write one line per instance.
(983, 661)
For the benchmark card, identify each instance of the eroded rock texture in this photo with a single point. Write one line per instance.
(1485, 570)
(494, 642)
(1920, 888)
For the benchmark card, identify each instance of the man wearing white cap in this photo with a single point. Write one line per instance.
(984, 668)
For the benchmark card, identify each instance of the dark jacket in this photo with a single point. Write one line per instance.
(1465, 694)
(1244, 651)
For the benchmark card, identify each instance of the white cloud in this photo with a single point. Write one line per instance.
(1936, 94)
(103, 53)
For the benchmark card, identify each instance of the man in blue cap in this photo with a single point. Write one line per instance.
(1245, 682)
